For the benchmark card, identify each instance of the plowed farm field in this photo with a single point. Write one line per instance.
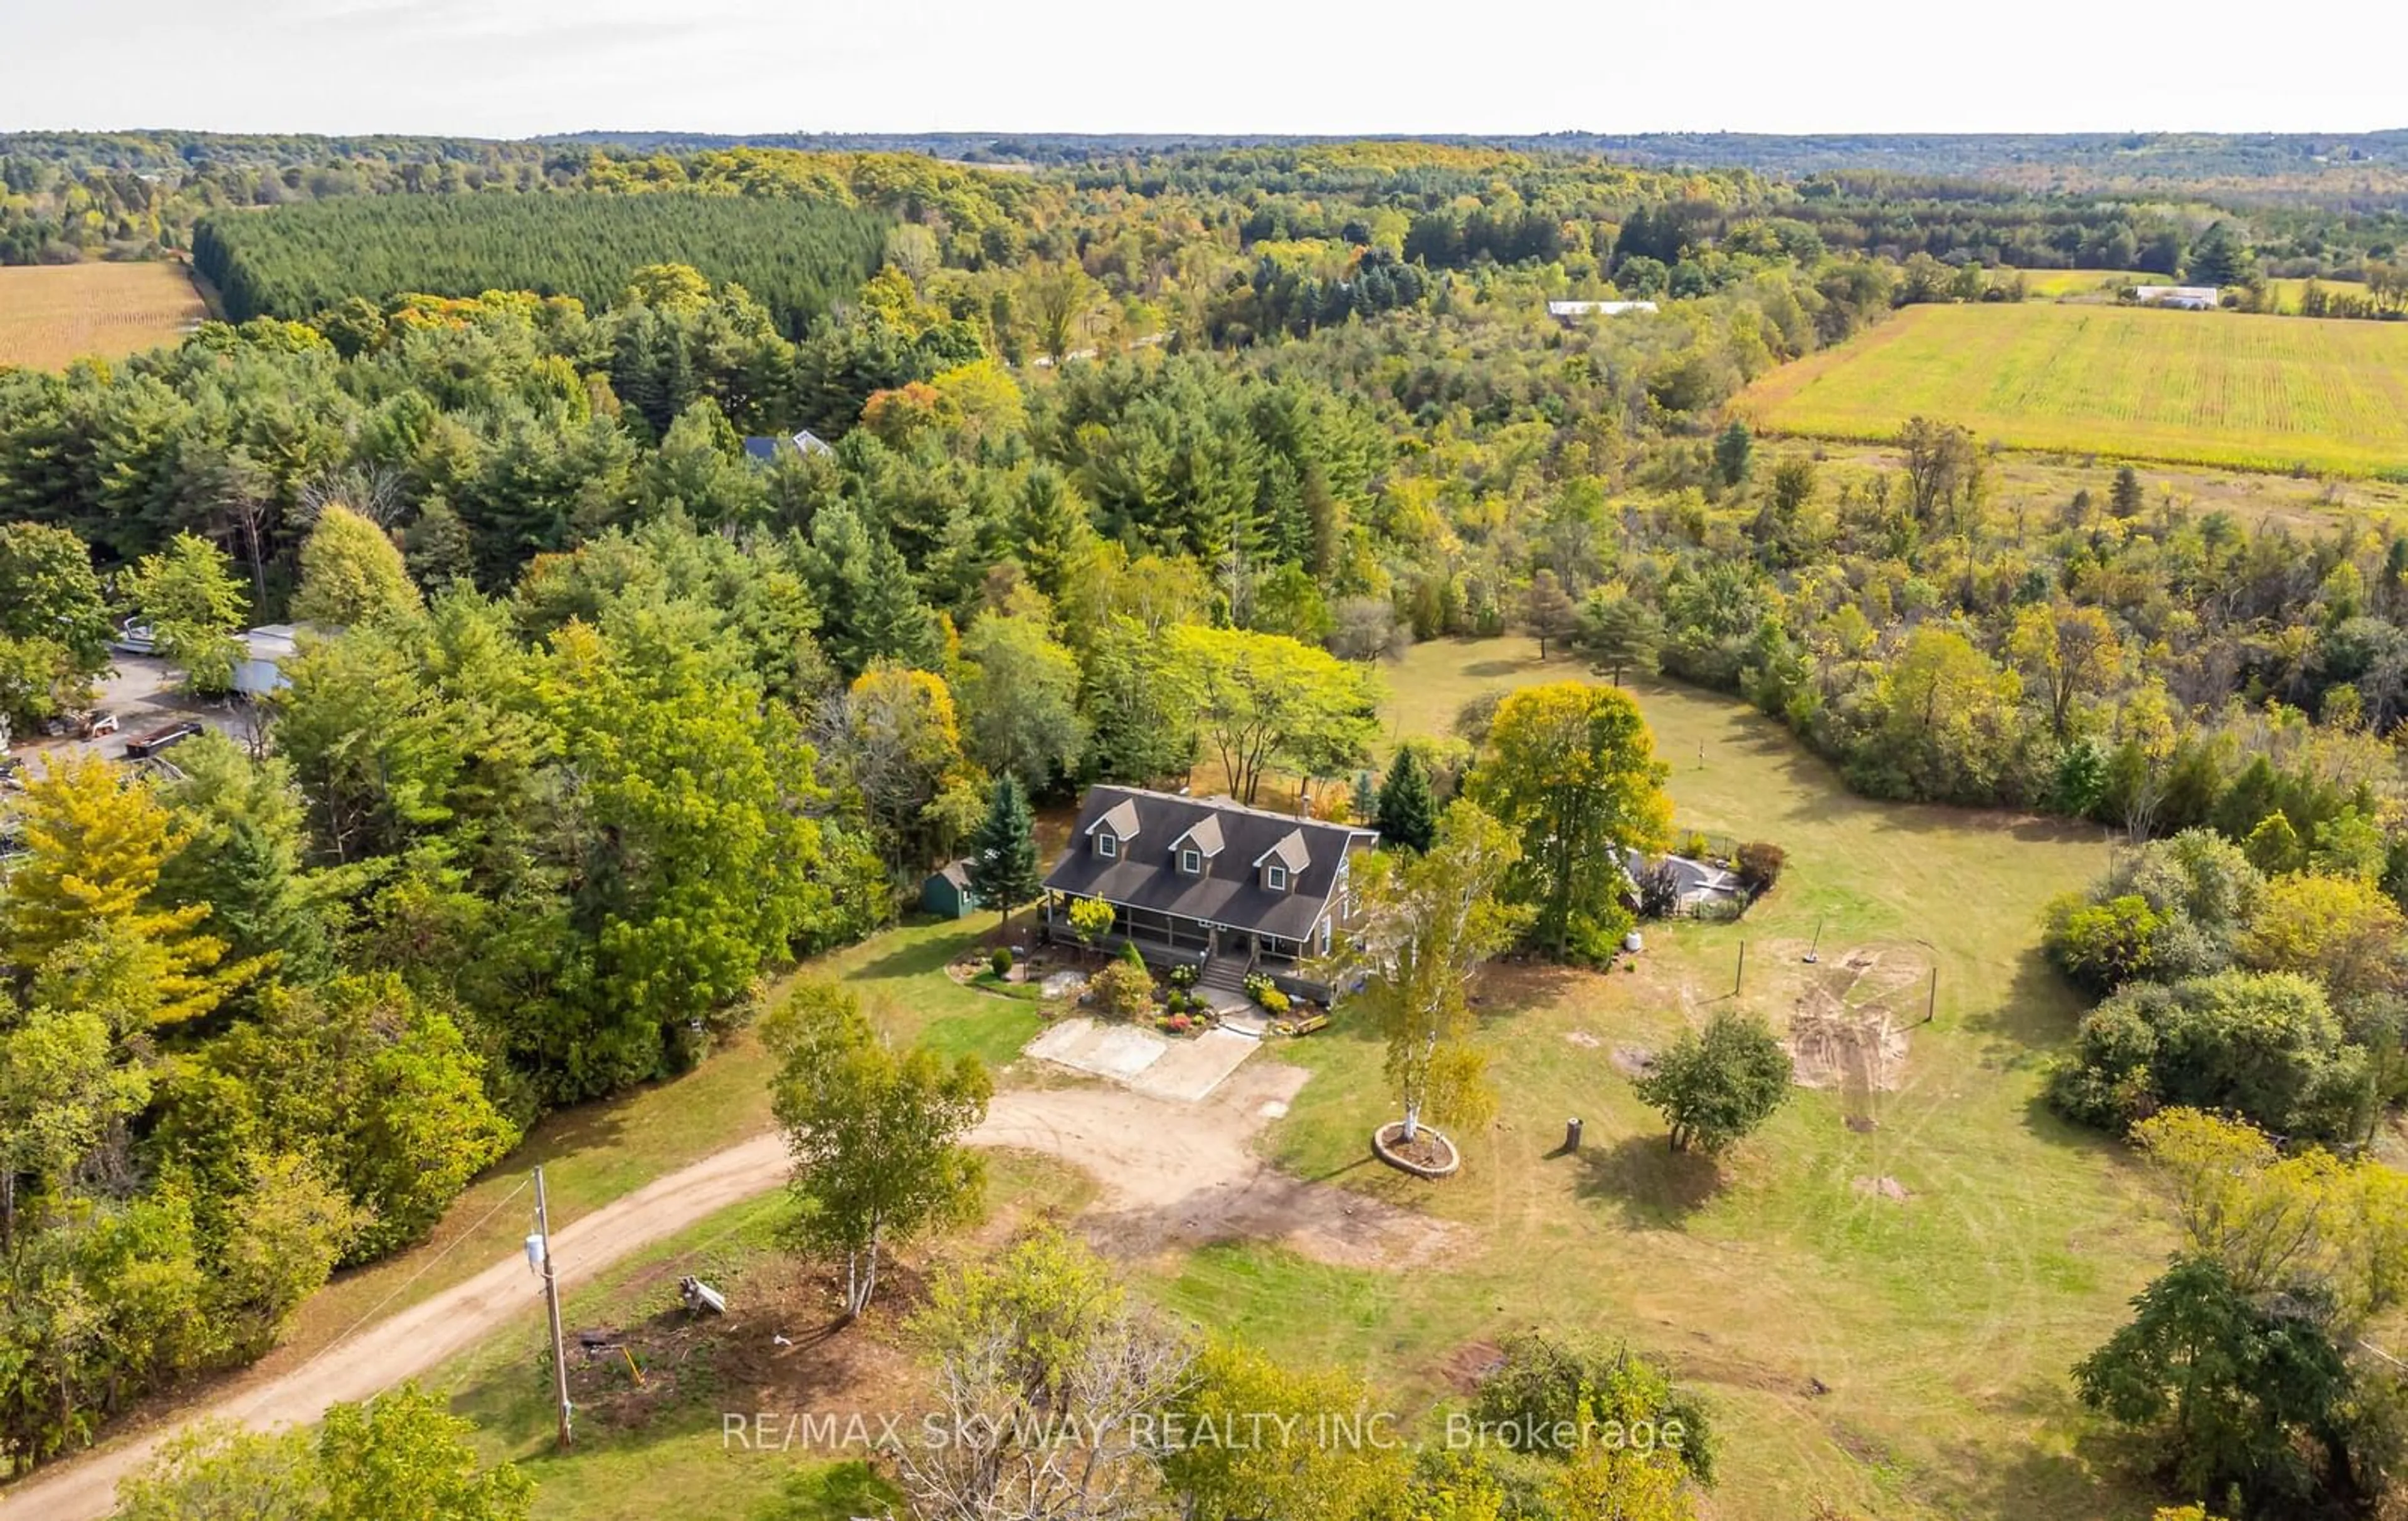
(51, 314)
(2282, 394)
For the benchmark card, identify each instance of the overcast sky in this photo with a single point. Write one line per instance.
(515, 68)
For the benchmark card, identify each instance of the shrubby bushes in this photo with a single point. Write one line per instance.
(2262, 1044)
(2275, 1000)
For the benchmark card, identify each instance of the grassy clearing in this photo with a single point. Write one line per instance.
(2208, 388)
(2036, 487)
(1941, 1326)
(51, 314)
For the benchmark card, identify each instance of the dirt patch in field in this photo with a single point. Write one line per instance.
(1582, 1040)
(1882, 1187)
(1469, 1365)
(1849, 1011)
(1633, 1061)
(1175, 1176)
(1844, 1049)
(783, 1345)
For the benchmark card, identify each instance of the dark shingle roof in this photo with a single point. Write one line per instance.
(1229, 891)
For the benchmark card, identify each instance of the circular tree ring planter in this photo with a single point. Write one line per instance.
(1431, 1155)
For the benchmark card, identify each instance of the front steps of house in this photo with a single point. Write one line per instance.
(1223, 984)
(1223, 974)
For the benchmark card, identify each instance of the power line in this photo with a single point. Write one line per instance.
(378, 1307)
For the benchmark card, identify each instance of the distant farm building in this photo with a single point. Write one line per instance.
(765, 449)
(1568, 312)
(2188, 297)
(948, 893)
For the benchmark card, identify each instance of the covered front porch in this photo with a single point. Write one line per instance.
(1221, 954)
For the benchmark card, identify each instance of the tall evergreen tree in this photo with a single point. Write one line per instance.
(1733, 449)
(2126, 499)
(874, 611)
(1003, 851)
(1407, 815)
(889, 620)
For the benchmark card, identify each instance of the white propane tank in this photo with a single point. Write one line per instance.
(1633, 943)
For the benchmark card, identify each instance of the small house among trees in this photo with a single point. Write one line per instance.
(1208, 883)
(764, 448)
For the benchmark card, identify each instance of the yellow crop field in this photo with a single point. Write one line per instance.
(51, 314)
(2049, 284)
(2188, 387)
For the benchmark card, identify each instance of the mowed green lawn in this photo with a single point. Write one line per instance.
(1941, 1329)
(2209, 388)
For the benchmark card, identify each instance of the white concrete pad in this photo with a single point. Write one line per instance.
(1118, 1052)
(1191, 1070)
(1141, 1059)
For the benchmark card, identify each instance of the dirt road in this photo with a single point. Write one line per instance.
(1172, 1174)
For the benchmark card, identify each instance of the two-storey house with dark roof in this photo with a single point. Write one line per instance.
(1210, 884)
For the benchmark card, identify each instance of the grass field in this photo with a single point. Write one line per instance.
(1942, 1326)
(2054, 284)
(2038, 485)
(51, 314)
(1900, 1358)
(2207, 387)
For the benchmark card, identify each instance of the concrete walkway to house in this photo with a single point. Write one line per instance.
(1187, 1068)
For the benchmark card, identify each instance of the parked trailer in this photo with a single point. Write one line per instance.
(144, 746)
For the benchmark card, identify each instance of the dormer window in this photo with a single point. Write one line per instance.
(1114, 828)
(1190, 862)
(1283, 861)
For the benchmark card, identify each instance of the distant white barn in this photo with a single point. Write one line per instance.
(2188, 297)
(1568, 312)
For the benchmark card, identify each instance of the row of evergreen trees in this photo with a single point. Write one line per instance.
(797, 258)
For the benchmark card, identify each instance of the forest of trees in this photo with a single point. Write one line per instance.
(797, 259)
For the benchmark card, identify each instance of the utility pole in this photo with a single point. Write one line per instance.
(539, 1258)
(1741, 981)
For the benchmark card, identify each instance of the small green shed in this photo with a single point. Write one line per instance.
(948, 892)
